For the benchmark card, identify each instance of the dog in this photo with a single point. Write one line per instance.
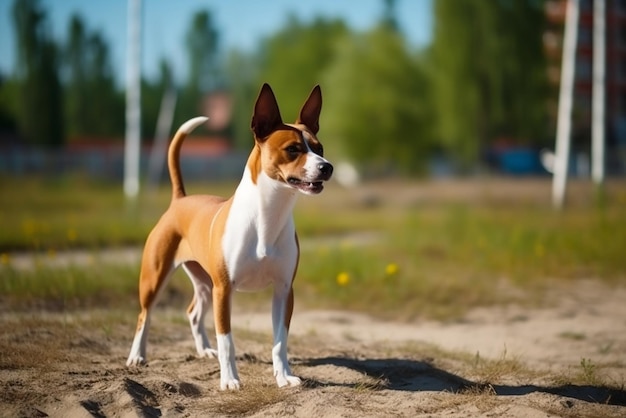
(246, 242)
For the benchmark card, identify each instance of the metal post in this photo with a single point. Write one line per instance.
(597, 106)
(156, 163)
(133, 101)
(566, 99)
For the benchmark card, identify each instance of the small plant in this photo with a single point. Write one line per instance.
(589, 371)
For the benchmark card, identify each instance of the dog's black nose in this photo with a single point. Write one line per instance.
(326, 169)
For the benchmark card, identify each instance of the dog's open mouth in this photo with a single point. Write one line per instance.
(313, 187)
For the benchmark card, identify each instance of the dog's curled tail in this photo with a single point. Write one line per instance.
(173, 155)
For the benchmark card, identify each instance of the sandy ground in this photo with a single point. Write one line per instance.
(496, 362)
(566, 359)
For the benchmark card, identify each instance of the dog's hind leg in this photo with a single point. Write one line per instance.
(147, 300)
(157, 266)
(200, 305)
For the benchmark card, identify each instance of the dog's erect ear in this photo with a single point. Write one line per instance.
(266, 117)
(310, 113)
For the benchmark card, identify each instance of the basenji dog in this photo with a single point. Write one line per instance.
(246, 242)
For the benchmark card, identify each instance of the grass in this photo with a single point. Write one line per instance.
(395, 249)
(41, 214)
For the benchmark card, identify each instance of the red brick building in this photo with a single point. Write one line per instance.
(615, 76)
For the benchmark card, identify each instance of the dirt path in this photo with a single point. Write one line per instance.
(497, 362)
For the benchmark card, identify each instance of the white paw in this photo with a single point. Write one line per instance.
(208, 352)
(287, 380)
(135, 361)
(230, 384)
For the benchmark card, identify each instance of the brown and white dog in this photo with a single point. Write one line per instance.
(243, 243)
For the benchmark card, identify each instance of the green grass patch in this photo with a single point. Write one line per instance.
(69, 287)
(432, 257)
(59, 214)
(439, 261)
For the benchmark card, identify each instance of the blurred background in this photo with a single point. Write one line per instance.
(436, 115)
(419, 88)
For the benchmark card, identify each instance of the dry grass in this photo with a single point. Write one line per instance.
(53, 358)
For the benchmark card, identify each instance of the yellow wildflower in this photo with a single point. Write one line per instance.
(343, 279)
(391, 269)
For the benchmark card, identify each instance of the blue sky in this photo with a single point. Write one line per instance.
(241, 24)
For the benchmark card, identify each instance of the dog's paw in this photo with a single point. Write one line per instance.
(284, 380)
(230, 384)
(134, 361)
(208, 352)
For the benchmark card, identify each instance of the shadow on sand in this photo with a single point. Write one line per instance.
(411, 375)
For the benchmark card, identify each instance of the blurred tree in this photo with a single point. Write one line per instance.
(242, 70)
(8, 108)
(40, 110)
(489, 71)
(204, 65)
(77, 95)
(93, 106)
(380, 108)
(293, 59)
(389, 15)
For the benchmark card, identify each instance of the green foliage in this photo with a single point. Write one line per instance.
(488, 74)
(8, 104)
(201, 42)
(93, 108)
(380, 102)
(40, 115)
(243, 72)
(292, 61)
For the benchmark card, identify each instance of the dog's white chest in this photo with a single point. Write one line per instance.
(253, 265)
(259, 242)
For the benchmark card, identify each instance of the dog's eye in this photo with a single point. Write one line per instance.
(293, 149)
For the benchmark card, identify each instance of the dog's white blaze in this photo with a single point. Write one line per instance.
(312, 159)
(259, 237)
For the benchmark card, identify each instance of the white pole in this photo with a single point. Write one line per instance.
(597, 107)
(566, 93)
(133, 101)
(156, 162)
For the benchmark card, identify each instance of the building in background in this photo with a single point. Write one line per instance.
(615, 77)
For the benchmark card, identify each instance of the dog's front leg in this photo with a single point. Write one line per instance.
(282, 308)
(225, 346)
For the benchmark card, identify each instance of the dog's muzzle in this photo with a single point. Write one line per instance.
(325, 171)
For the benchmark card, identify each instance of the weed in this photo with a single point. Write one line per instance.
(588, 372)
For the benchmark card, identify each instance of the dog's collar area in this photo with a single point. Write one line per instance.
(313, 187)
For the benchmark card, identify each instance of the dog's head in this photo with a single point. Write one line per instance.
(291, 153)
